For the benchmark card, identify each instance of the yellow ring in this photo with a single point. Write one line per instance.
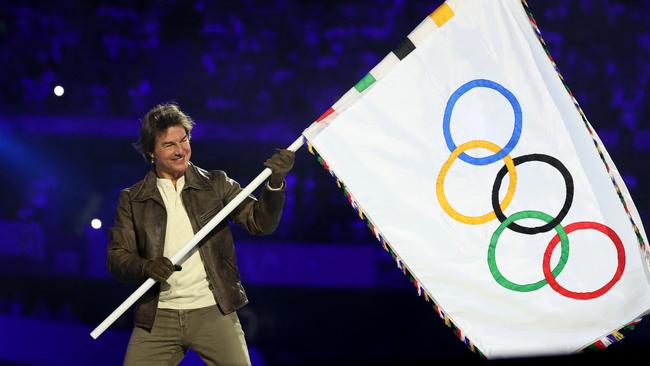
(440, 192)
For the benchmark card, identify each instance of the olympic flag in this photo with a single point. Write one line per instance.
(476, 168)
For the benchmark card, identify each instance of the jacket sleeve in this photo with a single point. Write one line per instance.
(123, 261)
(259, 217)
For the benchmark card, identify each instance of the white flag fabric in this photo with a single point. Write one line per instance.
(475, 166)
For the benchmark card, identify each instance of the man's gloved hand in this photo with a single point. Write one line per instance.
(160, 268)
(280, 164)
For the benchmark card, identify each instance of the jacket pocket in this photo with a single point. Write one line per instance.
(208, 215)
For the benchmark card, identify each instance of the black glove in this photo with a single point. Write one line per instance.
(280, 164)
(160, 268)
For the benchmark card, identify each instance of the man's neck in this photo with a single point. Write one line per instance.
(171, 177)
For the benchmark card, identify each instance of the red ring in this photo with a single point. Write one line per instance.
(582, 225)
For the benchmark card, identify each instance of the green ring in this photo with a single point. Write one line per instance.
(492, 263)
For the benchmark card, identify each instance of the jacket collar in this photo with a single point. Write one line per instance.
(149, 188)
(196, 178)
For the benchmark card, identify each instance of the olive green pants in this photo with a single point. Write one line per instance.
(218, 339)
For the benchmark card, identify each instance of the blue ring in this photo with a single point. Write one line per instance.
(516, 132)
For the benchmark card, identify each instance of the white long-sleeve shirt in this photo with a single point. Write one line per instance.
(188, 287)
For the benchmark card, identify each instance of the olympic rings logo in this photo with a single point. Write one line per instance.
(498, 207)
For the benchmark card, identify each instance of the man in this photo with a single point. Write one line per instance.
(193, 306)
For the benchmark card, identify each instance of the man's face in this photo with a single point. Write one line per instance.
(172, 152)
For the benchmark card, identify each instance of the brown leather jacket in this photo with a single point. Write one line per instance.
(139, 234)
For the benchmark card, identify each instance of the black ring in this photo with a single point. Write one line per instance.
(568, 180)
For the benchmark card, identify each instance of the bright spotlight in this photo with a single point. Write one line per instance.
(96, 223)
(58, 90)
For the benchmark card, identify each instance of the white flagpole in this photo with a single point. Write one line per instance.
(191, 244)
